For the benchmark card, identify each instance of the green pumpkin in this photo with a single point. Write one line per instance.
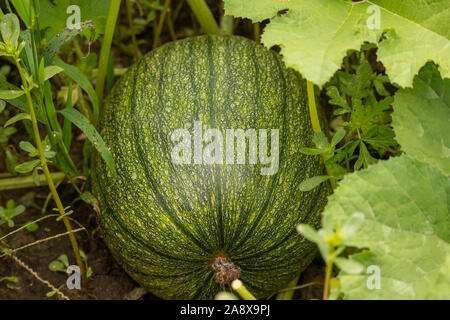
(184, 230)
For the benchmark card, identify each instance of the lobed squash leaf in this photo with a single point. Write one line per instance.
(314, 36)
(421, 118)
(406, 230)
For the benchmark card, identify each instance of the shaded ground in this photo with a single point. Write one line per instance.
(108, 282)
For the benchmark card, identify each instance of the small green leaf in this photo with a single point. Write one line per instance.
(64, 260)
(10, 29)
(365, 158)
(311, 151)
(57, 265)
(75, 74)
(338, 136)
(51, 293)
(49, 154)
(17, 210)
(10, 94)
(27, 166)
(349, 266)
(313, 182)
(89, 272)
(91, 133)
(83, 255)
(27, 146)
(309, 233)
(320, 139)
(11, 161)
(67, 124)
(336, 170)
(50, 71)
(352, 225)
(2, 105)
(16, 118)
(338, 100)
(32, 227)
(41, 72)
(10, 279)
(379, 82)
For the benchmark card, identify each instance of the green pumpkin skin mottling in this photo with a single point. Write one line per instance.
(164, 222)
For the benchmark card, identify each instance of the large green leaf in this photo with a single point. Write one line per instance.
(406, 229)
(315, 35)
(54, 15)
(421, 118)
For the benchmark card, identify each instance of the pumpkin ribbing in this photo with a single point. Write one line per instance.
(165, 223)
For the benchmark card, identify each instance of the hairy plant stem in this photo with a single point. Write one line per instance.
(204, 16)
(106, 49)
(71, 232)
(36, 275)
(47, 174)
(316, 125)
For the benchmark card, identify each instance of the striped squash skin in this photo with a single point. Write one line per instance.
(165, 223)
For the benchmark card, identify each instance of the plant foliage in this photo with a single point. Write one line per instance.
(315, 35)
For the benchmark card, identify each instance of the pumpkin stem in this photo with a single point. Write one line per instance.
(226, 270)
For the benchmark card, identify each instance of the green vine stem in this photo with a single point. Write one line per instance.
(137, 53)
(326, 285)
(239, 287)
(27, 88)
(28, 181)
(106, 49)
(316, 124)
(204, 16)
(257, 32)
(287, 295)
(226, 25)
(169, 23)
(162, 17)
